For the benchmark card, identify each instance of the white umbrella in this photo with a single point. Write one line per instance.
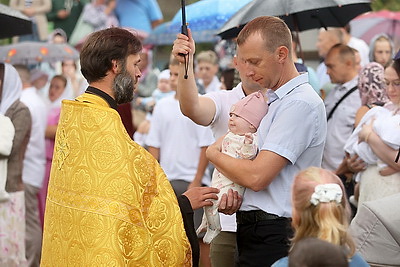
(36, 52)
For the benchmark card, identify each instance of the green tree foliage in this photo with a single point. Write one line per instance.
(393, 5)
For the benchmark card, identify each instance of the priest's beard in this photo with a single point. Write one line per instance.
(123, 86)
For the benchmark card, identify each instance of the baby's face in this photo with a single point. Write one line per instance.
(240, 126)
(163, 85)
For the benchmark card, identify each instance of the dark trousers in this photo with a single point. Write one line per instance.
(261, 243)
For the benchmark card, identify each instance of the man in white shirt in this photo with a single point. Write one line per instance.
(342, 70)
(33, 166)
(213, 110)
(207, 69)
(326, 39)
(180, 147)
(291, 137)
(356, 43)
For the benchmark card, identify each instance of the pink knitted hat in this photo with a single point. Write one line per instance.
(252, 108)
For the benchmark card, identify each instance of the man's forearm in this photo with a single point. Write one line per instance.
(254, 174)
(199, 109)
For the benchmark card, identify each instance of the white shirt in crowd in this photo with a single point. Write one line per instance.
(179, 140)
(35, 155)
(362, 48)
(214, 86)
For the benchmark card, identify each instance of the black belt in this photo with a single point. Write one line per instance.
(252, 216)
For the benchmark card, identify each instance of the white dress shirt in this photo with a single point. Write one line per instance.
(179, 139)
(35, 155)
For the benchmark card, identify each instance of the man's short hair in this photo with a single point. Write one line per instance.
(273, 30)
(102, 47)
(345, 52)
(208, 56)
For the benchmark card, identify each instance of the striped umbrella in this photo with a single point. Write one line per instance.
(367, 25)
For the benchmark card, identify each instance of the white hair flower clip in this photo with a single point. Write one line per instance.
(326, 193)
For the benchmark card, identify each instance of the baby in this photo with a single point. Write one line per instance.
(163, 89)
(386, 127)
(240, 142)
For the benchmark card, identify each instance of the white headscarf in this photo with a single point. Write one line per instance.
(12, 88)
(66, 94)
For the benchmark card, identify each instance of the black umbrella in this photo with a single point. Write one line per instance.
(13, 22)
(299, 15)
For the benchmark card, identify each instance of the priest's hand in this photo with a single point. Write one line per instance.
(201, 196)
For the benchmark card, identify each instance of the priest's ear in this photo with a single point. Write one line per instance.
(115, 66)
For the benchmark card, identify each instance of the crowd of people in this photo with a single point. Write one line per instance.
(110, 161)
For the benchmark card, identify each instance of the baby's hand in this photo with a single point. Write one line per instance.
(248, 138)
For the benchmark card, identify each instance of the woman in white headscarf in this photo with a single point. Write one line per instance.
(12, 209)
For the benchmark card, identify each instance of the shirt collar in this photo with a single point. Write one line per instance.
(350, 84)
(287, 87)
(111, 101)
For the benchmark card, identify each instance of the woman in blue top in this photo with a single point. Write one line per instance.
(321, 210)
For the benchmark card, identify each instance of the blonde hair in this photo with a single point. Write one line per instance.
(326, 221)
(208, 57)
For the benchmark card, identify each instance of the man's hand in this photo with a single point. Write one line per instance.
(201, 196)
(183, 45)
(248, 138)
(355, 164)
(62, 14)
(230, 203)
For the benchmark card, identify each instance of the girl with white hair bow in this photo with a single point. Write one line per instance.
(321, 210)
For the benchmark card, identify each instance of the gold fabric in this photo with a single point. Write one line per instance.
(109, 203)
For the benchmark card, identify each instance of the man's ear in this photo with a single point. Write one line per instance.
(234, 61)
(282, 53)
(115, 66)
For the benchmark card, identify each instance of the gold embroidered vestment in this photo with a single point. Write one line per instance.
(109, 203)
